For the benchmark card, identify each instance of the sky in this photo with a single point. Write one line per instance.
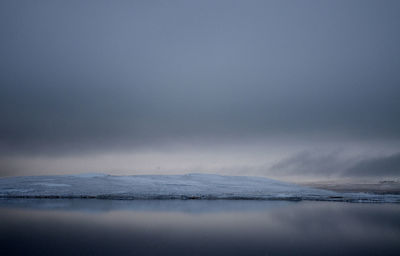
(294, 90)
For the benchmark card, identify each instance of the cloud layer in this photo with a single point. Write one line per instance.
(96, 76)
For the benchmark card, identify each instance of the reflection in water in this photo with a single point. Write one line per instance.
(95, 227)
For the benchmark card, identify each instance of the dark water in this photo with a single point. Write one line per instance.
(101, 227)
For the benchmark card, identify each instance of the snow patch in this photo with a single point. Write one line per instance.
(50, 184)
(89, 175)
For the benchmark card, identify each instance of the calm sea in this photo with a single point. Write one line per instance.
(194, 227)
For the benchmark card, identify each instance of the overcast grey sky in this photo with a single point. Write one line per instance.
(305, 89)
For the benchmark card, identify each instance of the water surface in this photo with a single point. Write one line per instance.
(197, 227)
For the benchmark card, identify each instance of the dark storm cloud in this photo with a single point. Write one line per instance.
(89, 75)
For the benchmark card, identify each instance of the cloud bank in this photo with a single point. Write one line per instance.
(97, 78)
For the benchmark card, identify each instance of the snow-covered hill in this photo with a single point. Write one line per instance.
(189, 186)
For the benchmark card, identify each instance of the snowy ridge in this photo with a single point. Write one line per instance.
(189, 186)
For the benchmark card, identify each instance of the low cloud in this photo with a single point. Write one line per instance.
(311, 164)
(338, 166)
(378, 166)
